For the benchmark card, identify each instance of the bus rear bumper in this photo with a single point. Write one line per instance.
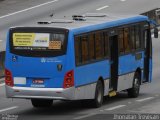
(40, 93)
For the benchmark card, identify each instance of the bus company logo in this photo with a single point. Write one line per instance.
(43, 60)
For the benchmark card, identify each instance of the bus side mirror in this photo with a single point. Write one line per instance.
(155, 32)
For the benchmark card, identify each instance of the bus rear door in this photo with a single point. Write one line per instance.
(113, 44)
(147, 54)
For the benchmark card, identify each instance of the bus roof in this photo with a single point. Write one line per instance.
(90, 23)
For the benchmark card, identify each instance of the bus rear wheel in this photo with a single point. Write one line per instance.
(41, 103)
(98, 100)
(134, 91)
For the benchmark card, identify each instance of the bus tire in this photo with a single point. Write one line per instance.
(98, 100)
(134, 91)
(41, 103)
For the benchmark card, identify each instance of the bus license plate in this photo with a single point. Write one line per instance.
(38, 81)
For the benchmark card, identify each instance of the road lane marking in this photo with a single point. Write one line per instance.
(10, 108)
(144, 99)
(85, 116)
(2, 84)
(1, 40)
(122, 0)
(101, 8)
(157, 95)
(10, 14)
(129, 102)
(116, 107)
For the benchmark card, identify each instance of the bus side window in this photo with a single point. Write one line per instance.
(132, 38)
(126, 40)
(137, 35)
(84, 49)
(98, 45)
(121, 41)
(91, 47)
(77, 50)
(106, 45)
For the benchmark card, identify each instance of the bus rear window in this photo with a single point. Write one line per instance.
(38, 41)
(36, 44)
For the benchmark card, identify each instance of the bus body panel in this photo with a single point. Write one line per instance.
(85, 76)
(40, 68)
(108, 25)
(40, 93)
(128, 64)
(44, 68)
(88, 74)
(48, 70)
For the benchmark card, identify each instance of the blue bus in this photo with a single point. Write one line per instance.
(86, 58)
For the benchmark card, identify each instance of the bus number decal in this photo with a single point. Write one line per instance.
(55, 45)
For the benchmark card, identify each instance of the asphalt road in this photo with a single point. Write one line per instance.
(147, 102)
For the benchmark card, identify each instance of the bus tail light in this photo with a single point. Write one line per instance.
(69, 79)
(8, 78)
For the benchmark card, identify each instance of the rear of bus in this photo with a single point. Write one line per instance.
(39, 64)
